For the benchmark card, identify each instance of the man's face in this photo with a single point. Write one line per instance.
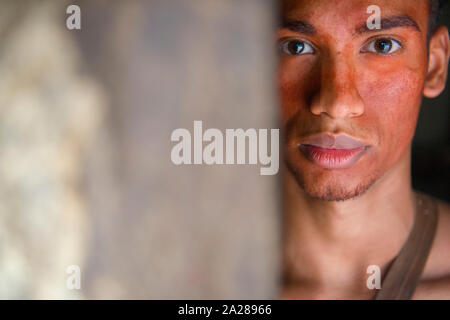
(337, 76)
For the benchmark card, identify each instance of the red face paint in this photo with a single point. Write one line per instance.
(340, 83)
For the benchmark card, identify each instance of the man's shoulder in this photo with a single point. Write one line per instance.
(436, 276)
(438, 264)
(440, 252)
(442, 239)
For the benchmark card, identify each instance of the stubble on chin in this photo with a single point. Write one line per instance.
(332, 190)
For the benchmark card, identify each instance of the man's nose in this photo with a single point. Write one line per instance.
(337, 95)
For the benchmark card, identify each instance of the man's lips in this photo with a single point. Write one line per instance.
(329, 141)
(333, 151)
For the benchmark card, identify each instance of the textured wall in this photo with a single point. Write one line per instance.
(49, 114)
(87, 177)
(182, 231)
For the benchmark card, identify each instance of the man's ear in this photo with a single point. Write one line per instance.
(439, 51)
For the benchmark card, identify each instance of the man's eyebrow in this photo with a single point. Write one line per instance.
(298, 26)
(385, 24)
(390, 23)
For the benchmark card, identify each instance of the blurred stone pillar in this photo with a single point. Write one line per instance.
(50, 113)
(167, 231)
(85, 171)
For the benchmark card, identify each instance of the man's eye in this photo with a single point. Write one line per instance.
(382, 46)
(296, 47)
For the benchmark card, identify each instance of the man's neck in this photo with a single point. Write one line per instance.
(331, 243)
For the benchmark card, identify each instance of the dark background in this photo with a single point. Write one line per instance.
(431, 144)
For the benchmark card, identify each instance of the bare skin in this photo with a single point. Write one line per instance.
(340, 221)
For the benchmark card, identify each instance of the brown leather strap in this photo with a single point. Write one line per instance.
(406, 269)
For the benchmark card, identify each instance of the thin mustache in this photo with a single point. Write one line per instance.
(341, 140)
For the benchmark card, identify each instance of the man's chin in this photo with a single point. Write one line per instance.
(331, 188)
(334, 193)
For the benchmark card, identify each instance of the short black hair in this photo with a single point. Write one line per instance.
(436, 8)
